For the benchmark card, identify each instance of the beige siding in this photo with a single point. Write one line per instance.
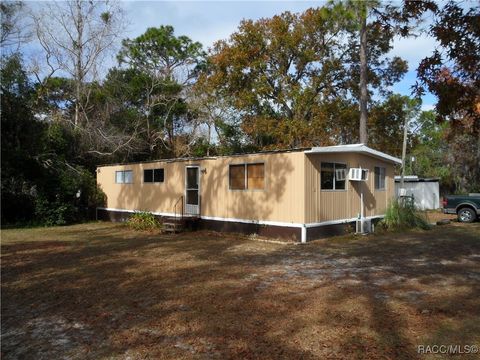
(283, 198)
(292, 191)
(326, 205)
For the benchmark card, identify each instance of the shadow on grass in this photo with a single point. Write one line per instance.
(111, 292)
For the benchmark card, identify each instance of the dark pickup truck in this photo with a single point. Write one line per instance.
(467, 207)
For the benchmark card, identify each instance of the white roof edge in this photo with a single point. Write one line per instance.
(353, 148)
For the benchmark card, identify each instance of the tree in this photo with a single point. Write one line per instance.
(452, 74)
(215, 110)
(168, 65)
(284, 73)
(39, 182)
(14, 31)
(430, 152)
(363, 72)
(75, 37)
(388, 120)
(20, 141)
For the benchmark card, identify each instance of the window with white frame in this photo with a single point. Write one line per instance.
(124, 177)
(246, 176)
(332, 176)
(379, 178)
(153, 175)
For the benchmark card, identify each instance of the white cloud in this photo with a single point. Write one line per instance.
(428, 107)
(413, 49)
(207, 21)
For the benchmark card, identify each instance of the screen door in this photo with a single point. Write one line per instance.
(192, 188)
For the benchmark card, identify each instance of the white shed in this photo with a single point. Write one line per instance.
(425, 191)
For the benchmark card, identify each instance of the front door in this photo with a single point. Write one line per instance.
(192, 188)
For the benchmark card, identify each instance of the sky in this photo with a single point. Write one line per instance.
(209, 21)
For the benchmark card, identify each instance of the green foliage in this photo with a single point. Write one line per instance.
(55, 93)
(286, 81)
(143, 221)
(67, 196)
(50, 213)
(159, 67)
(289, 73)
(387, 120)
(20, 142)
(430, 151)
(39, 183)
(160, 48)
(451, 74)
(401, 215)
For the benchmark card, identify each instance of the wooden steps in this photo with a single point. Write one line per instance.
(173, 225)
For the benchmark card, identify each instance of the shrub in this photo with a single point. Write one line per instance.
(403, 215)
(54, 212)
(70, 195)
(143, 221)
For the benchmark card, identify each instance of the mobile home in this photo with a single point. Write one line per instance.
(301, 194)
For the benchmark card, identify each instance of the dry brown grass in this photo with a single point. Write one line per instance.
(101, 291)
(436, 215)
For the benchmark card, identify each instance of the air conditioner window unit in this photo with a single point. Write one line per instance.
(340, 174)
(366, 228)
(358, 174)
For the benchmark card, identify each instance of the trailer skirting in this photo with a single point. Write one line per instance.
(288, 231)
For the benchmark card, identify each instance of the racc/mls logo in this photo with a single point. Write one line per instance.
(447, 349)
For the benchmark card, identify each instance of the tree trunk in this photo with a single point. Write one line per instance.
(363, 75)
(78, 63)
(209, 138)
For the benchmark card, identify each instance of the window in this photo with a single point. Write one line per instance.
(153, 176)
(124, 177)
(332, 176)
(237, 177)
(247, 177)
(255, 176)
(379, 178)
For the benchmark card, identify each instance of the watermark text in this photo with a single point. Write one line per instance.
(451, 349)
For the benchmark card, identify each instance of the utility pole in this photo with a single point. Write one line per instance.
(404, 151)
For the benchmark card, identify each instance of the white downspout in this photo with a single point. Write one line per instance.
(304, 234)
(361, 210)
(361, 203)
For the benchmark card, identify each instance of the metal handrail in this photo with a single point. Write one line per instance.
(175, 207)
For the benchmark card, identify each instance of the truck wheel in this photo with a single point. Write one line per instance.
(466, 215)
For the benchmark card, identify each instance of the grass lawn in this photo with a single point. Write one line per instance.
(101, 291)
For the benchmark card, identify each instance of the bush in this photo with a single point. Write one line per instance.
(55, 212)
(69, 196)
(143, 221)
(402, 215)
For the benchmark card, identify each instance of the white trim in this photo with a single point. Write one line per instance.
(353, 148)
(341, 221)
(259, 222)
